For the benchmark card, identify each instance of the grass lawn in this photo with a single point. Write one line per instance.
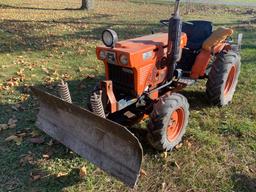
(41, 43)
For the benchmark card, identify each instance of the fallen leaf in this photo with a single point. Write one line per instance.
(176, 164)
(18, 141)
(10, 83)
(50, 143)
(35, 177)
(82, 171)
(21, 134)
(61, 174)
(26, 89)
(11, 138)
(20, 72)
(165, 154)
(143, 172)
(35, 133)
(188, 144)
(37, 140)
(163, 186)
(45, 70)
(46, 156)
(3, 126)
(16, 107)
(12, 126)
(179, 146)
(252, 170)
(29, 158)
(12, 121)
(91, 76)
(81, 85)
(80, 69)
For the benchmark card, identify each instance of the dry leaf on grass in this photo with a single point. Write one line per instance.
(188, 144)
(163, 186)
(45, 70)
(21, 134)
(3, 126)
(50, 143)
(35, 133)
(143, 172)
(12, 120)
(35, 176)
(12, 126)
(16, 107)
(61, 174)
(29, 158)
(82, 172)
(179, 146)
(37, 140)
(177, 165)
(20, 72)
(91, 76)
(16, 139)
(165, 154)
(11, 138)
(10, 84)
(26, 90)
(46, 156)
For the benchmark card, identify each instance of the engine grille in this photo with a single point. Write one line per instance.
(122, 78)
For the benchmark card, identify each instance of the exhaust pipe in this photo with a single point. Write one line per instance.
(174, 38)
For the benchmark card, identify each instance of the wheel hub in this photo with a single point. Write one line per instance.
(230, 80)
(175, 124)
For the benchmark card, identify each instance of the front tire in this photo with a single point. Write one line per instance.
(223, 78)
(168, 121)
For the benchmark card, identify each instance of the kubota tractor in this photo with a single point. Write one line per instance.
(143, 77)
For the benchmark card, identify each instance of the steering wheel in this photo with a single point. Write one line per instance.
(166, 22)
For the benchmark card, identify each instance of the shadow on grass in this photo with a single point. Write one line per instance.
(5, 6)
(197, 99)
(243, 183)
(22, 37)
(17, 177)
(22, 34)
(79, 90)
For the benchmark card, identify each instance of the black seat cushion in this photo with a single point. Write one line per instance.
(197, 32)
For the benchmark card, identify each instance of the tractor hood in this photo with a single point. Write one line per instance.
(141, 50)
(145, 43)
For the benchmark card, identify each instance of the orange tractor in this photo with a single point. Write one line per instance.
(143, 77)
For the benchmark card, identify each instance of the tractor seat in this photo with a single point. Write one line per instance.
(197, 32)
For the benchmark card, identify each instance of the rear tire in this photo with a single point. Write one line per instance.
(223, 78)
(168, 121)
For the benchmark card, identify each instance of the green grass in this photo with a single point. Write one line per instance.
(218, 152)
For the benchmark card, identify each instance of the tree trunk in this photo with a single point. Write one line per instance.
(87, 4)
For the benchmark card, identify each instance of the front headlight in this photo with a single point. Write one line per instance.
(124, 59)
(109, 38)
(102, 54)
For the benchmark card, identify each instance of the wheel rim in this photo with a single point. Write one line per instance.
(230, 80)
(175, 124)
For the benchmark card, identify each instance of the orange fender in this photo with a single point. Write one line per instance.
(201, 63)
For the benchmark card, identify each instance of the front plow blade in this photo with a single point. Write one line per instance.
(107, 144)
